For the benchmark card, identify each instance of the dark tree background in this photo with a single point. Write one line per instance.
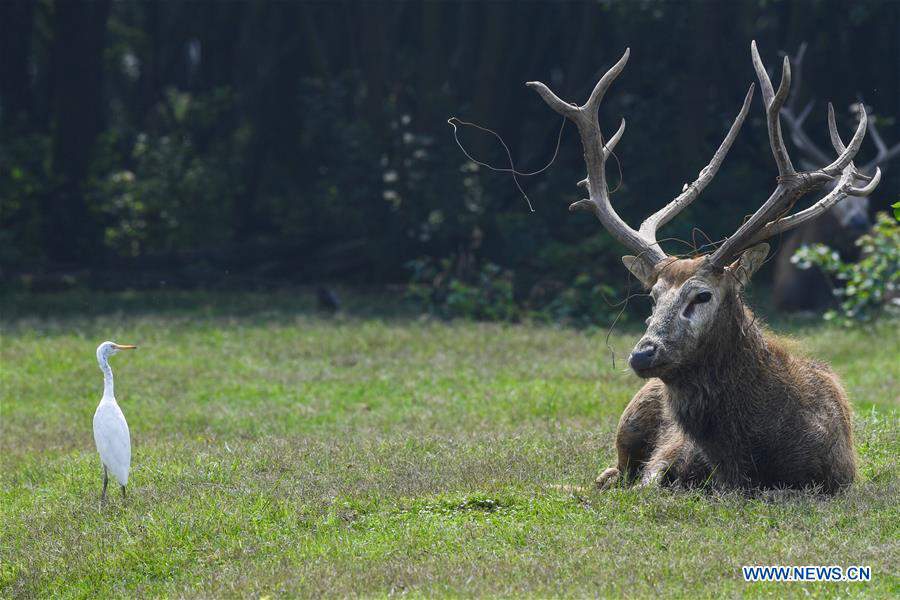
(232, 144)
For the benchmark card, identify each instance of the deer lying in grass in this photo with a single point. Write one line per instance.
(725, 401)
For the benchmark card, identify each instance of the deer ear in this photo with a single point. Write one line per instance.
(748, 263)
(641, 269)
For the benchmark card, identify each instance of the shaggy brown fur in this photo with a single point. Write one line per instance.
(735, 409)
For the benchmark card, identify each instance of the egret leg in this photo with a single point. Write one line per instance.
(105, 481)
(123, 493)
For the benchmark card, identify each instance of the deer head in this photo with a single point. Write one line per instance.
(695, 308)
(852, 213)
(695, 298)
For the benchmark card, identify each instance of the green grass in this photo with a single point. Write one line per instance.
(281, 453)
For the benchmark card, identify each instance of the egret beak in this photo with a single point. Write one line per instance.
(124, 347)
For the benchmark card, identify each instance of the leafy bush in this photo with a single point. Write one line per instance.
(25, 180)
(446, 289)
(583, 303)
(457, 287)
(867, 288)
(175, 194)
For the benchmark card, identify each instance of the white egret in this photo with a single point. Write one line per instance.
(110, 428)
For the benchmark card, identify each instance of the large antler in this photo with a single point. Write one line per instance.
(643, 242)
(795, 121)
(770, 219)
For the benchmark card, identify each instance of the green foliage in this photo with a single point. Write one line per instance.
(443, 289)
(869, 287)
(175, 194)
(25, 180)
(459, 286)
(580, 282)
(584, 302)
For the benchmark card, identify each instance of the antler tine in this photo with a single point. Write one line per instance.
(774, 122)
(869, 187)
(765, 83)
(833, 133)
(846, 153)
(773, 103)
(593, 104)
(767, 220)
(614, 140)
(582, 113)
(839, 145)
(667, 213)
(553, 101)
(595, 155)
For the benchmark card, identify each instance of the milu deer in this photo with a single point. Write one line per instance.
(795, 289)
(725, 403)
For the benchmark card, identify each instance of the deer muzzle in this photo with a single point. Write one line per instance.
(644, 357)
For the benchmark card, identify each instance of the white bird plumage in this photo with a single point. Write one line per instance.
(110, 428)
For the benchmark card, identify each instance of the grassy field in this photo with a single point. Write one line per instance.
(282, 453)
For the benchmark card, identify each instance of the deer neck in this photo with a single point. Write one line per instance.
(709, 397)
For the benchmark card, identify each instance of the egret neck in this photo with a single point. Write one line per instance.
(108, 392)
(104, 351)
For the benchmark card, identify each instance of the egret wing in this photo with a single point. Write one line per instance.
(113, 439)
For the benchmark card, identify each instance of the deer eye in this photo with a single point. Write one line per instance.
(702, 297)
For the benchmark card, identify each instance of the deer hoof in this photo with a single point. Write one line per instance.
(607, 478)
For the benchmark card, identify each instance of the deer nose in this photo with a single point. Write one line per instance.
(642, 356)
